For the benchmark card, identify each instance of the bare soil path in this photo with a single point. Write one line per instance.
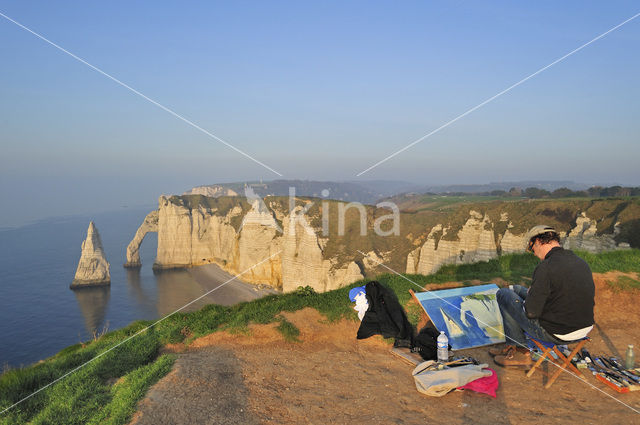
(330, 377)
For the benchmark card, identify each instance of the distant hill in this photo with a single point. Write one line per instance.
(506, 186)
(368, 191)
(363, 192)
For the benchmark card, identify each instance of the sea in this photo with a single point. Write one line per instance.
(40, 315)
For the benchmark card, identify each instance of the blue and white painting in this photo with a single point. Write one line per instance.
(470, 316)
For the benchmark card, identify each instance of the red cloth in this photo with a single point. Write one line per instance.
(487, 385)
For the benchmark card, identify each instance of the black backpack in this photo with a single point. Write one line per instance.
(426, 344)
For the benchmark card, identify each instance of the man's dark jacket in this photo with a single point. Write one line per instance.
(562, 293)
(385, 315)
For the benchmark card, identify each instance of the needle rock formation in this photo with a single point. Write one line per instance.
(93, 267)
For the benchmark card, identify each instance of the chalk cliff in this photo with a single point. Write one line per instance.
(584, 236)
(475, 243)
(93, 267)
(303, 261)
(251, 243)
(211, 191)
(264, 242)
(479, 240)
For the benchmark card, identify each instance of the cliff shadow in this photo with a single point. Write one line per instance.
(206, 386)
(472, 265)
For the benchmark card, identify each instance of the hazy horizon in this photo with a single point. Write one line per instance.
(75, 206)
(313, 91)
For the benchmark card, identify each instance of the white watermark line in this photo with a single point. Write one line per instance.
(137, 333)
(501, 333)
(164, 108)
(496, 96)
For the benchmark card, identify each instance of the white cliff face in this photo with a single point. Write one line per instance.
(476, 242)
(339, 277)
(93, 268)
(194, 237)
(211, 191)
(584, 237)
(511, 243)
(303, 263)
(259, 247)
(260, 250)
(412, 261)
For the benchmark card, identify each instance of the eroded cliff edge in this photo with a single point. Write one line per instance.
(285, 246)
(263, 244)
(480, 239)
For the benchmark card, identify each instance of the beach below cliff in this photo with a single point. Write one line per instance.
(224, 288)
(330, 377)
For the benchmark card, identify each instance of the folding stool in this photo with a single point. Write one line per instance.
(562, 362)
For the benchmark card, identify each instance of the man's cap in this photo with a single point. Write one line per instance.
(355, 291)
(538, 230)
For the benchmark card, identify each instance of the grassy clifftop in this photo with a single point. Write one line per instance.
(121, 365)
(525, 213)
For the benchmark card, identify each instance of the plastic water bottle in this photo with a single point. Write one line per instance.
(628, 364)
(443, 348)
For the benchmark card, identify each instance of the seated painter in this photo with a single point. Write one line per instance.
(557, 308)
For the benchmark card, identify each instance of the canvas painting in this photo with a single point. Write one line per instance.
(470, 316)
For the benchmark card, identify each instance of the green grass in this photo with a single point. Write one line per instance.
(77, 398)
(125, 394)
(288, 330)
(623, 261)
(624, 283)
(513, 268)
(108, 388)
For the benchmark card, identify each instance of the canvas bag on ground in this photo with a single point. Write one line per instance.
(438, 382)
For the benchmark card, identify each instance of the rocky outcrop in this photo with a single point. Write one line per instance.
(93, 267)
(303, 263)
(474, 243)
(150, 224)
(211, 191)
(584, 237)
(260, 249)
(478, 241)
(194, 236)
(259, 246)
(511, 243)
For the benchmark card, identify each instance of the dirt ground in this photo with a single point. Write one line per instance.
(330, 377)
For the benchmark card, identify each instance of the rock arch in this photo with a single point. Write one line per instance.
(150, 224)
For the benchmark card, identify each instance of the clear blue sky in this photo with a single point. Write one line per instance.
(315, 91)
